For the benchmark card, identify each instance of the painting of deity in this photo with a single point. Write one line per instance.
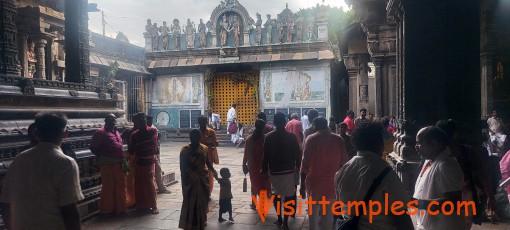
(196, 90)
(175, 90)
(267, 88)
(295, 86)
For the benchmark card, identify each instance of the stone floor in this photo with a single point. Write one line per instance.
(170, 204)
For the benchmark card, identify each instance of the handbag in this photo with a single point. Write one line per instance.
(245, 184)
(343, 223)
(232, 128)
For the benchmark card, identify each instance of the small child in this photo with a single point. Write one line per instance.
(225, 194)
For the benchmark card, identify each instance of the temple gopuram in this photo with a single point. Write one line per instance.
(283, 63)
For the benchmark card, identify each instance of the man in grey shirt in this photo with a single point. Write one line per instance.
(42, 185)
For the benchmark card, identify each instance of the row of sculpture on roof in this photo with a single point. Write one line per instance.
(231, 27)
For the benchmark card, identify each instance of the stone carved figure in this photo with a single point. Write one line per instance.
(269, 28)
(149, 39)
(148, 27)
(155, 36)
(225, 29)
(236, 29)
(32, 61)
(309, 28)
(279, 29)
(164, 30)
(176, 33)
(258, 29)
(210, 26)
(201, 33)
(190, 33)
(363, 93)
(299, 29)
(290, 29)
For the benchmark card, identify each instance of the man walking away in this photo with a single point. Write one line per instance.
(267, 127)
(42, 185)
(304, 120)
(281, 159)
(312, 114)
(324, 154)
(294, 126)
(349, 148)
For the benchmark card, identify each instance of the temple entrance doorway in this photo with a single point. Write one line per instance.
(229, 88)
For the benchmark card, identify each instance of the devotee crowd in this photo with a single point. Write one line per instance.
(346, 162)
(333, 162)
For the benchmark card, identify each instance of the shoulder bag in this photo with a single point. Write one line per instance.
(352, 223)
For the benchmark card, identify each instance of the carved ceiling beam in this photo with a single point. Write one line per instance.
(40, 20)
(395, 11)
(380, 33)
(356, 62)
(382, 43)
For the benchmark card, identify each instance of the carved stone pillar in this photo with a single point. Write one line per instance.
(487, 48)
(22, 47)
(40, 55)
(404, 158)
(353, 68)
(381, 45)
(438, 70)
(77, 42)
(50, 57)
(9, 63)
(353, 91)
(378, 99)
(487, 93)
(362, 75)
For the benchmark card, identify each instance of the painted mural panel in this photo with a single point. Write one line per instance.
(182, 90)
(295, 86)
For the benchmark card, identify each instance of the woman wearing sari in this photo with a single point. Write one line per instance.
(194, 180)
(252, 160)
(130, 178)
(209, 139)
